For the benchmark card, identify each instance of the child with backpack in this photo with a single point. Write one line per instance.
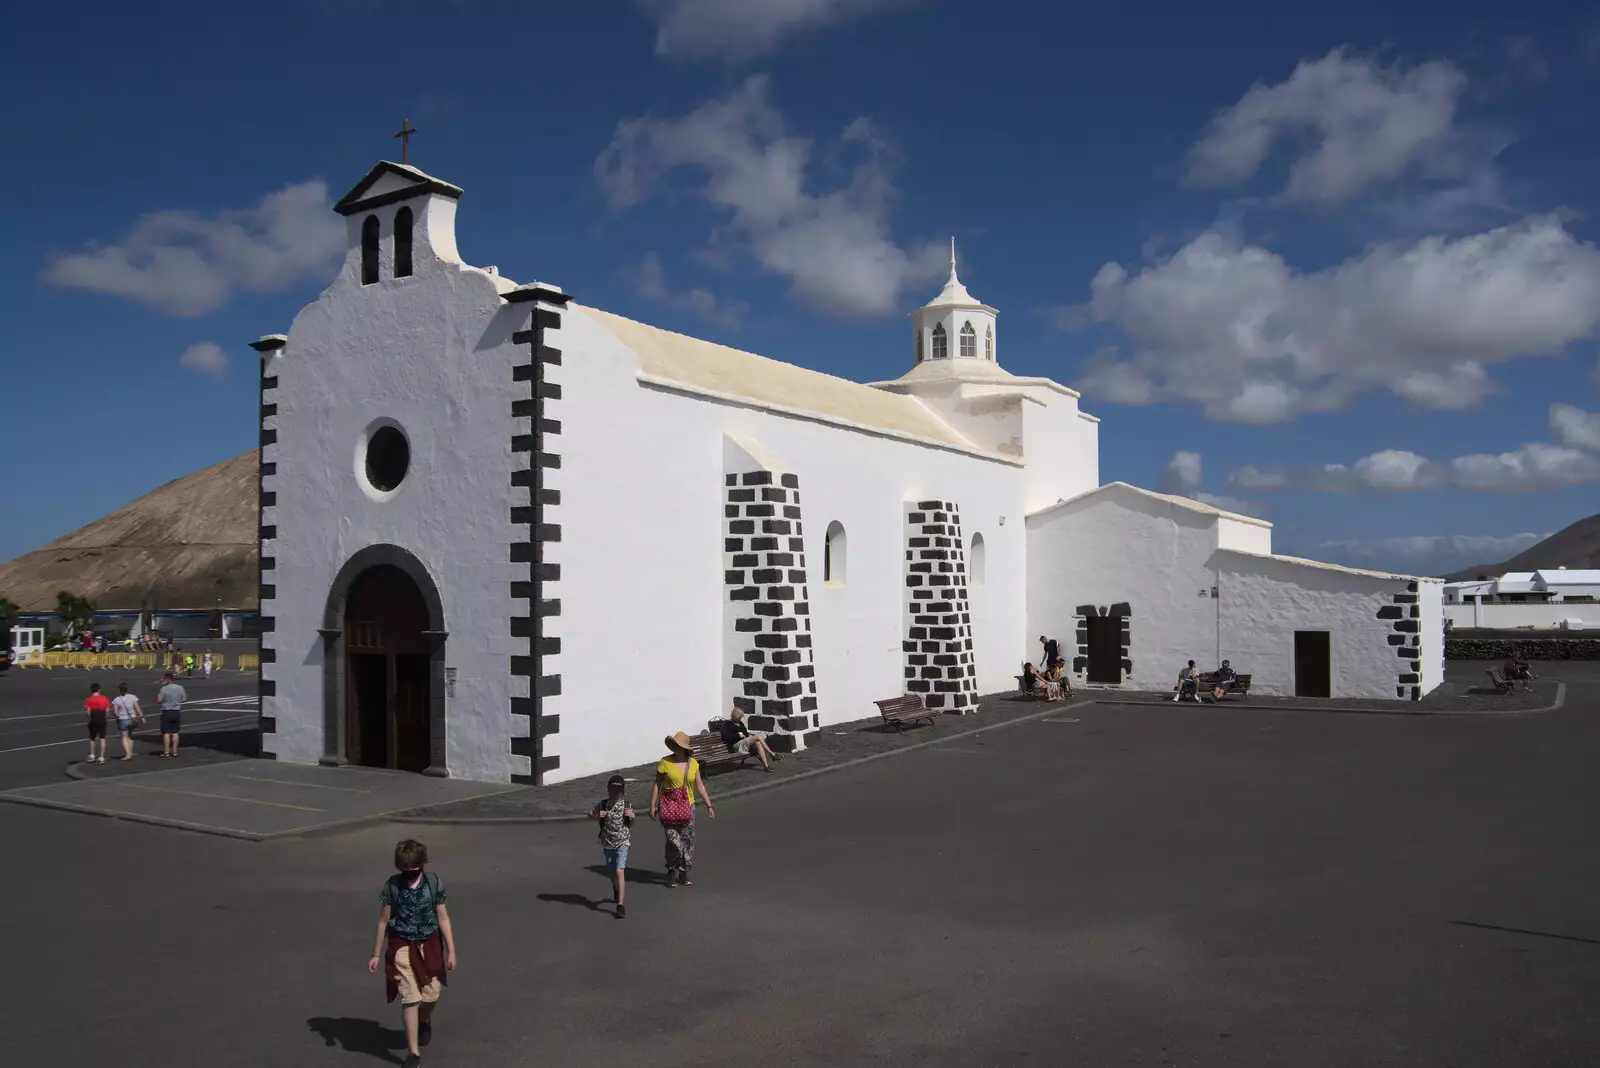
(616, 821)
(415, 945)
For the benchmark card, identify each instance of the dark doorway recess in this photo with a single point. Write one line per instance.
(1104, 648)
(388, 697)
(1313, 668)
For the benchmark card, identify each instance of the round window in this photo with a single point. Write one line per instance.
(388, 457)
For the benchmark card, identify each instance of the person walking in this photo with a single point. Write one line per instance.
(126, 707)
(97, 705)
(206, 663)
(415, 945)
(672, 802)
(170, 700)
(616, 821)
(188, 665)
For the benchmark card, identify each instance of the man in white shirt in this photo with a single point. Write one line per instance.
(126, 707)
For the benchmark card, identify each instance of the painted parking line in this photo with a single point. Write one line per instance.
(312, 785)
(1060, 721)
(8, 735)
(122, 781)
(80, 741)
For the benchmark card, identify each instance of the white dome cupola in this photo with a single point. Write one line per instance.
(956, 327)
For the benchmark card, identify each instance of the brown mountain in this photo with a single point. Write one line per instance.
(189, 544)
(1576, 546)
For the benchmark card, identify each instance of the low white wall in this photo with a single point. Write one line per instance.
(1511, 616)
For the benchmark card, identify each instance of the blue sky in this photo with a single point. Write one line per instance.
(1339, 269)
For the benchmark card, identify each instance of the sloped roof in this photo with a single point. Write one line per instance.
(184, 545)
(1570, 577)
(1300, 561)
(405, 181)
(708, 367)
(1188, 503)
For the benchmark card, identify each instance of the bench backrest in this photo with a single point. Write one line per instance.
(705, 746)
(895, 705)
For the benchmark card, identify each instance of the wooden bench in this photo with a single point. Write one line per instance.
(1505, 683)
(1208, 686)
(903, 710)
(710, 750)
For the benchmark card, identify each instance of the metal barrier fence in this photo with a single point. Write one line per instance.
(135, 661)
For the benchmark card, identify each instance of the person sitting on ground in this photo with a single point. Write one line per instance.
(1226, 679)
(740, 739)
(1187, 682)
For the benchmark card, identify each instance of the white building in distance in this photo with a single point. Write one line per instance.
(506, 536)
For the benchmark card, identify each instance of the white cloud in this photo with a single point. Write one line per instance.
(1362, 124)
(739, 29)
(1572, 425)
(1233, 328)
(1183, 473)
(650, 281)
(186, 263)
(1184, 476)
(1426, 554)
(1528, 468)
(833, 246)
(207, 358)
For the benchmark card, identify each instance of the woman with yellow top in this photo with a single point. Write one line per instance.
(672, 802)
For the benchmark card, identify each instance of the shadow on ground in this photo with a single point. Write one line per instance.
(359, 1036)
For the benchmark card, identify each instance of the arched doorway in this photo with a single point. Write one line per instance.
(387, 678)
(383, 664)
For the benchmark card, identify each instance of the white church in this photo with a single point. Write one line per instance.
(509, 537)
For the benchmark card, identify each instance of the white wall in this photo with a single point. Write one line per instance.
(1510, 616)
(432, 352)
(1244, 536)
(1430, 596)
(1162, 560)
(1263, 601)
(641, 513)
(1061, 448)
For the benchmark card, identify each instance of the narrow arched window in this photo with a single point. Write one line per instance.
(833, 555)
(969, 342)
(369, 250)
(941, 347)
(919, 344)
(402, 243)
(988, 342)
(976, 561)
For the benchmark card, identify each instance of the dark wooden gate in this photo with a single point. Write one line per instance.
(1104, 648)
(1313, 667)
(387, 700)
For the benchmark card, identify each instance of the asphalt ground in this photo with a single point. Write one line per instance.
(1128, 885)
(43, 726)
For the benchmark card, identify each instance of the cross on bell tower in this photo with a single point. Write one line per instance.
(406, 130)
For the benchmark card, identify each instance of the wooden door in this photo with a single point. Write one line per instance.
(388, 690)
(1313, 666)
(1105, 649)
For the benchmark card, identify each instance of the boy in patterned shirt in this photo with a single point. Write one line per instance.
(415, 945)
(616, 820)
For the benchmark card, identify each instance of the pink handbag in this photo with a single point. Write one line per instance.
(675, 806)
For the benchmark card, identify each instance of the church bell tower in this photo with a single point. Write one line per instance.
(955, 327)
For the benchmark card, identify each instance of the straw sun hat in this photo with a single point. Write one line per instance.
(679, 741)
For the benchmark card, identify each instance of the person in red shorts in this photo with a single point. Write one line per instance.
(97, 705)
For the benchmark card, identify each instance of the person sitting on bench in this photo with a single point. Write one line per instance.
(742, 740)
(1517, 670)
(1187, 681)
(1055, 686)
(1226, 679)
(1032, 679)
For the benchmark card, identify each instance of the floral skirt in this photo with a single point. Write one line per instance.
(680, 846)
